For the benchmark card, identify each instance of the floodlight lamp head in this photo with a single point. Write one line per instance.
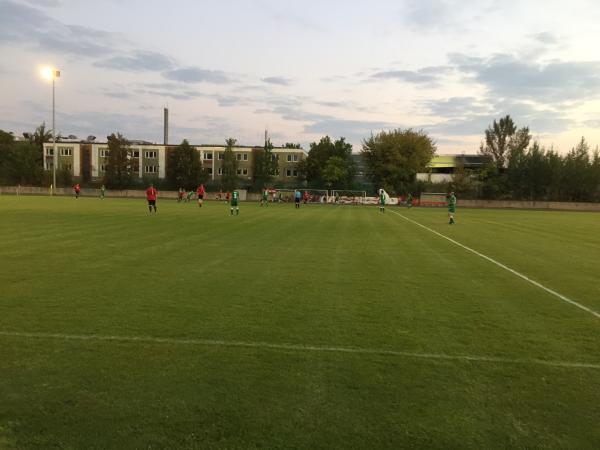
(49, 73)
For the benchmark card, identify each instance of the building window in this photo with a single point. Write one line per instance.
(245, 171)
(103, 167)
(245, 156)
(221, 156)
(66, 151)
(150, 155)
(292, 158)
(220, 171)
(239, 156)
(49, 152)
(104, 153)
(208, 155)
(274, 157)
(209, 171)
(295, 173)
(150, 169)
(135, 153)
(288, 173)
(239, 171)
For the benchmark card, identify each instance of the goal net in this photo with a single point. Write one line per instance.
(433, 199)
(306, 195)
(345, 197)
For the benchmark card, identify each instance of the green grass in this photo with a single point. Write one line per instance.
(321, 277)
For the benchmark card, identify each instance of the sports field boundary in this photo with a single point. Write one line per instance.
(503, 266)
(301, 348)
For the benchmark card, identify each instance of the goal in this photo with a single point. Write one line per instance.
(433, 199)
(306, 195)
(348, 197)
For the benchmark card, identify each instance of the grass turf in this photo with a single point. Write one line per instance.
(322, 276)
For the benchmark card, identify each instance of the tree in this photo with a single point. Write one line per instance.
(6, 145)
(461, 178)
(230, 179)
(292, 145)
(40, 136)
(335, 171)
(576, 180)
(265, 166)
(501, 137)
(20, 162)
(185, 168)
(119, 170)
(394, 158)
(313, 166)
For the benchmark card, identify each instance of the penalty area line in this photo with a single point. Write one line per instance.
(301, 348)
(505, 267)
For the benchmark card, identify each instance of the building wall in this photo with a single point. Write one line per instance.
(151, 160)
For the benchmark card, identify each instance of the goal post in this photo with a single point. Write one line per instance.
(348, 197)
(433, 199)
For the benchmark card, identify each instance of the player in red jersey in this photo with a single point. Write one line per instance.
(77, 189)
(151, 194)
(200, 193)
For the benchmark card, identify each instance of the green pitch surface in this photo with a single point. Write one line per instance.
(324, 327)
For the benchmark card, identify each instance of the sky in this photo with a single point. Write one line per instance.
(303, 69)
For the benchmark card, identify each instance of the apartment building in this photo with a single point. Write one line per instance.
(88, 161)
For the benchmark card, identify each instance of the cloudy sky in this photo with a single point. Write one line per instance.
(303, 69)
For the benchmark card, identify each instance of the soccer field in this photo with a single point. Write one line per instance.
(323, 327)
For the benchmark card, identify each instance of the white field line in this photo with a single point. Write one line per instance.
(499, 264)
(300, 348)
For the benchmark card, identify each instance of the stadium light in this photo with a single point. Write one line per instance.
(50, 73)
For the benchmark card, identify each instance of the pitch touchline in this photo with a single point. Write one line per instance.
(499, 264)
(298, 347)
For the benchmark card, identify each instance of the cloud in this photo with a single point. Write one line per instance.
(280, 81)
(455, 107)
(445, 15)
(545, 37)
(505, 76)
(121, 95)
(44, 3)
(593, 123)
(353, 130)
(287, 16)
(24, 25)
(139, 61)
(426, 75)
(473, 120)
(197, 75)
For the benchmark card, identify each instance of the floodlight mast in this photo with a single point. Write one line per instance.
(53, 74)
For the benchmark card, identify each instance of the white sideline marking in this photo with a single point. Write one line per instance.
(298, 347)
(499, 264)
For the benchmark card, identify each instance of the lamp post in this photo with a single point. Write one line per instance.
(52, 74)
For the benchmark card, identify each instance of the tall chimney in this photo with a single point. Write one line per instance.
(166, 123)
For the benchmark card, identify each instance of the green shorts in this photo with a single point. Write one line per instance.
(452, 209)
(234, 202)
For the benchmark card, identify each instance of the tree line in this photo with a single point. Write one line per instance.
(518, 169)
(514, 167)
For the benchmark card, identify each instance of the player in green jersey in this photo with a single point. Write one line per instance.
(381, 200)
(265, 198)
(102, 191)
(234, 203)
(409, 200)
(451, 207)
